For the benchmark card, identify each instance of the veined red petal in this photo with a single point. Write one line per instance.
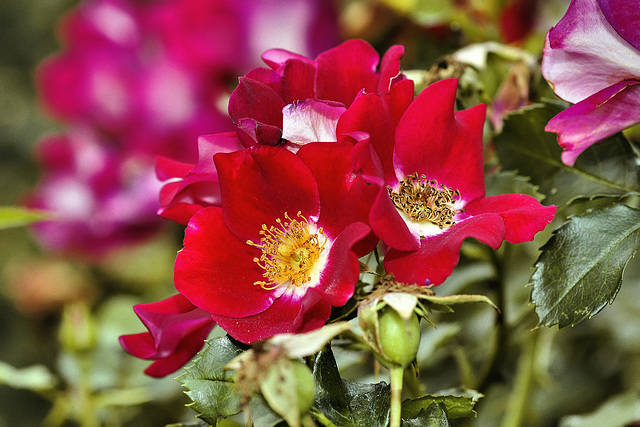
(390, 67)
(378, 115)
(341, 273)
(342, 72)
(177, 330)
(299, 77)
(345, 196)
(288, 314)
(256, 100)
(198, 187)
(433, 140)
(215, 270)
(182, 354)
(389, 226)
(439, 254)
(523, 215)
(260, 184)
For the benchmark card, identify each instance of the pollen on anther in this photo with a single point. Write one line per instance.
(289, 251)
(425, 200)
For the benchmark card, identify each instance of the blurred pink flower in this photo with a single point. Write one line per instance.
(99, 199)
(146, 79)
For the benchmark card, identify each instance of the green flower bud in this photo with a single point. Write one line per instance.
(398, 339)
(305, 386)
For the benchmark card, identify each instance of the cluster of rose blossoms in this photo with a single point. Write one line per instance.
(137, 79)
(329, 159)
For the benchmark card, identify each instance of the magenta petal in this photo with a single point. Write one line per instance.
(215, 270)
(183, 353)
(177, 330)
(311, 121)
(260, 184)
(583, 54)
(344, 71)
(523, 215)
(439, 254)
(433, 140)
(389, 226)
(140, 345)
(287, 315)
(624, 17)
(596, 118)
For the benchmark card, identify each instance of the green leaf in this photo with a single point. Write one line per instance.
(580, 269)
(262, 414)
(34, 378)
(620, 410)
(211, 387)
(12, 216)
(345, 403)
(607, 168)
(434, 416)
(509, 182)
(456, 406)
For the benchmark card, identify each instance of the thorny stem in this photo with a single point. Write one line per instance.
(396, 374)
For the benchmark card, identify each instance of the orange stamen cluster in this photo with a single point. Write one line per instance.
(289, 251)
(425, 200)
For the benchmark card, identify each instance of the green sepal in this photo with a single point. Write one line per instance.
(444, 303)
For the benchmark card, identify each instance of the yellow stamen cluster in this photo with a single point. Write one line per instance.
(289, 251)
(425, 200)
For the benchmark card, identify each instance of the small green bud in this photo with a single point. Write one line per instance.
(305, 386)
(398, 339)
(77, 330)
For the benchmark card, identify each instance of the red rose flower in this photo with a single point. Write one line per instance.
(296, 102)
(336, 76)
(278, 254)
(435, 197)
(177, 330)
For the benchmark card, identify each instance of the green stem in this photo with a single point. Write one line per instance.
(517, 406)
(396, 374)
(322, 419)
